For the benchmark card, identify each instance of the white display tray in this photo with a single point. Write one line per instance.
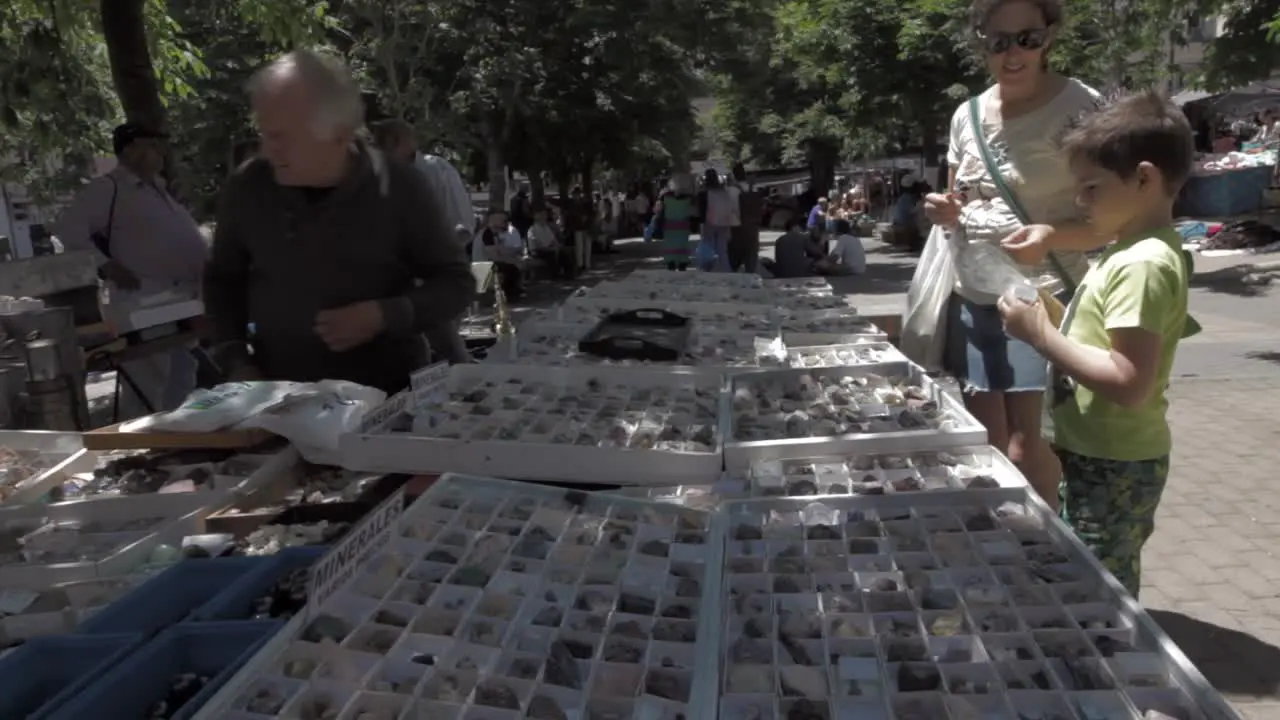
(228, 488)
(740, 455)
(180, 520)
(650, 292)
(510, 350)
(515, 592)
(741, 280)
(806, 339)
(51, 443)
(827, 354)
(382, 451)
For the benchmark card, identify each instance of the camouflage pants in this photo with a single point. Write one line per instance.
(1111, 505)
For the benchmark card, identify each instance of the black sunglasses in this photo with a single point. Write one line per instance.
(998, 43)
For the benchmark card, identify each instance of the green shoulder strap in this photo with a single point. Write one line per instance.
(980, 139)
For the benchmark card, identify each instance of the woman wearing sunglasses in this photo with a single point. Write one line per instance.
(1006, 172)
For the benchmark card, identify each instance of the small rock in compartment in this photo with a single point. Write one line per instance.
(822, 532)
(524, 668)
(447, 686)
(622, 652)
(805, 709)
(266, 701)
(182, 689)
(678, 611)
(285, 598)
(495, 694)
(636, 604)
(657, 548)
(743, 531)
(918, 678)
(542, 707)
(391, 617)
(470, 576)
(593, 601)
(981, 482)
(327, 627)
(562, 667)
(441, 556)
(630, 629)
(801, 487)
(484, 633)
(674, 631)
(667, 685)
(549, 616)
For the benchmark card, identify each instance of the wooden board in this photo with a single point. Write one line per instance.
(110, 438)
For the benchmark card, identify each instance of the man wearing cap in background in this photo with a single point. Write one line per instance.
(145, 243)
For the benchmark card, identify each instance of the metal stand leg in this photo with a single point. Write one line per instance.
(146, 402)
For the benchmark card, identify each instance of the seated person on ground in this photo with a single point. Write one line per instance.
(795, 253)
(544, 242)
(500, 244)
(847, 254)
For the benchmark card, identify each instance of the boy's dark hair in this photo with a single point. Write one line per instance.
(842, 227)
(1144, 127)
(981, 11)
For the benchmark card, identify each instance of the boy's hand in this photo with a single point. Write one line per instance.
(1029, 245)
(1024, 321)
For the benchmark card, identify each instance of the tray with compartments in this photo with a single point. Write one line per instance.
(631, 426)
(806, 412)
(935, 607)
(502, 600)
(710, 353)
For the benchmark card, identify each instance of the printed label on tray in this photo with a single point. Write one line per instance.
(365, 540)
(381, 415)
(429, 386)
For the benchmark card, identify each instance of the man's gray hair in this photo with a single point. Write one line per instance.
(338, 102)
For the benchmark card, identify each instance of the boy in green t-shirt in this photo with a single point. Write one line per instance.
(1111, 360)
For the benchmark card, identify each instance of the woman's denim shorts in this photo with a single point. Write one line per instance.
(985, 359)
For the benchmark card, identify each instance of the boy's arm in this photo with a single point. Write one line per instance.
(1136, 300)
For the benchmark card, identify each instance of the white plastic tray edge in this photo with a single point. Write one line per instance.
(33, 488)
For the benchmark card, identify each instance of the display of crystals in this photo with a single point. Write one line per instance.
(271, 539)
(500, 601)
(962, 468)
(783, 298)
(725, 280)
(844, 355)
(828, 323)
(713, 319)
(20, 465)
(140, 473)
(846, 609)
(50, 543)
(773, 406)
(557, 344)
(586, 411)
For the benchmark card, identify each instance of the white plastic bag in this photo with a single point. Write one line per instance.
(315, 416)
(923, 323)
(215, 409)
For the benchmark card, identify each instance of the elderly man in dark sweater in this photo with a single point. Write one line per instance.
(320, 242)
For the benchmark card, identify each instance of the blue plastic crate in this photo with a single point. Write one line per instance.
(235, 603)
(129, 689)
(169, 597)
(43, 674)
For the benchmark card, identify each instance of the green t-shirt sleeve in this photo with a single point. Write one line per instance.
(1141, 294)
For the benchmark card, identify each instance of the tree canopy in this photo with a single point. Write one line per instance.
(561, 90)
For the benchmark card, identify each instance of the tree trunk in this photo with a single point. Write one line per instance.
(822, 166)
(124, 29)
(587, 178)
(497, 177)
(537, 188)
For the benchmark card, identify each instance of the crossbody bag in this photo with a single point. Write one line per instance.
(984, 150)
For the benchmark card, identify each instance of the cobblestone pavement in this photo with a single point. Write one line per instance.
(1211, 576)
